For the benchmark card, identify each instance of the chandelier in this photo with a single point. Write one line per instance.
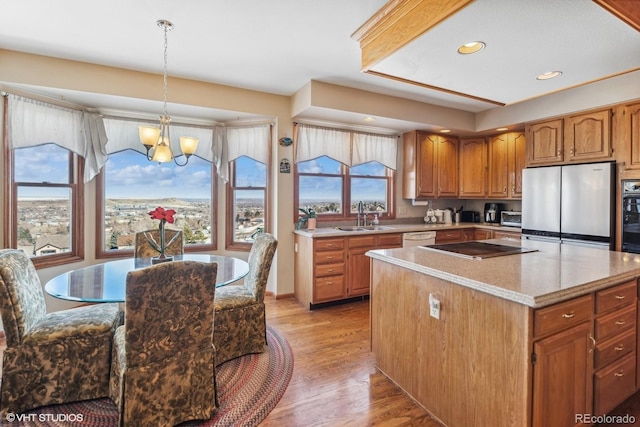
(156, 140)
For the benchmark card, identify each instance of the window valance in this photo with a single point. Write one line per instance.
(32, 123)
(348, 147)
(123, 135)
(237, 141)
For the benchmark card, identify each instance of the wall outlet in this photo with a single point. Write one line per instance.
(434, 306)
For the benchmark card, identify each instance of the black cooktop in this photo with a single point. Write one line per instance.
(479, 250)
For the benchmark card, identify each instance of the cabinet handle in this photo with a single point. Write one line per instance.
(571, 151)
(619, 348)
(558, 153)
(331, 270)
(568, 315)
(620, 322)
(462, 189)
(619, 374)
(593, 340)
(329, 257)
(620, 297)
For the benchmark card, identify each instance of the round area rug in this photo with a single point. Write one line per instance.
(249, 387)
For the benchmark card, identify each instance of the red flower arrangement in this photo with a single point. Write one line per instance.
(164, 215)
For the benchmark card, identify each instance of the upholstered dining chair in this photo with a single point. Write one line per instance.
(162, 370)
(144, 249)
(240, 326)
(50, 358)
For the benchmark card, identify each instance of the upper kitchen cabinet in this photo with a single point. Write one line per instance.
(587, 137)
(430, 165)
(473, 167)
(578, 138)
(545, 142)
(631, 134)
(506, 161)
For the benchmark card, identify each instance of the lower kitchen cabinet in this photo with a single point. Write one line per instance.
(336, 268)
(584, 355)
(450, 236)
(562, 385)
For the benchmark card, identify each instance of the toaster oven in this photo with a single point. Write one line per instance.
(511, 218)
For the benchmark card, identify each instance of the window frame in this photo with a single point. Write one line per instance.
(76, 210)
(230, 243)
(390, 177)
(100, 242)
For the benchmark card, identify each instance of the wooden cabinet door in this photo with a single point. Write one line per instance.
(562, 377)
(631, 134)
(517, 155)
(587, 136)
(447, 167)
(473, 160)
(482, 234)
(426, 178)
(498, 166)
(359, 272)
(544, 141)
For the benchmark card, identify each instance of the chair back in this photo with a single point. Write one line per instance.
(22, 301)
(169, 310)
(144, 249)
(260, 259)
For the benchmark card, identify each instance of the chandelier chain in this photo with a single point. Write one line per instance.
(165, 69)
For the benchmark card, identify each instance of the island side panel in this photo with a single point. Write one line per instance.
(470, 367)
(303, 269)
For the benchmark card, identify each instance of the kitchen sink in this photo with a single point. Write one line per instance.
(363, 228)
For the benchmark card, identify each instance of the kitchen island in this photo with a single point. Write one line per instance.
(541, 338)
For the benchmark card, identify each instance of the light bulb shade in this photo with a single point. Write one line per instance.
(148, 135)
(162, 153)
(188, 145)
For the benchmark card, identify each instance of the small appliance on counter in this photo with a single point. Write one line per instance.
(469, 216)
(493, 212)
(511, 219)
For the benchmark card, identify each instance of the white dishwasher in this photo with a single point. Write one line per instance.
(419, 238)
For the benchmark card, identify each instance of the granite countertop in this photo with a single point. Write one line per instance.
(400, 228)
(551, 274)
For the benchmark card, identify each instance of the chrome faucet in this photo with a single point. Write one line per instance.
(361, 212)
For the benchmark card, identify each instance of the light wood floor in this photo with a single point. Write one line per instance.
(335, 382)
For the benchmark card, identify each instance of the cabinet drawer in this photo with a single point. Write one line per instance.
(616, 322)
(363, 241)
(449, 236)
(329, 257)
(614, 384)
(328, 244)
(562, 315)
(329, 269)
(614, 348)
(328, 288)
(390, 240)
(617, 296)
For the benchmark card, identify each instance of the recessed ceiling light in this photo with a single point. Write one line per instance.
(549, 75)
(369, 119)
(471, 47)
(502, 129)
(445, 130)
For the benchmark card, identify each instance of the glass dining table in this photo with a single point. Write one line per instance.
(106, 282)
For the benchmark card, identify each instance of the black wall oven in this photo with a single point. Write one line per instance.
(631, 216)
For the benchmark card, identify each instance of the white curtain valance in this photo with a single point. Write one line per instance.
(123, 135)
(348, 147)
(314, 142)
(32, 123)
(380, 148)
(250, 141)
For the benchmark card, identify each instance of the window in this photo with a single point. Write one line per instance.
(336, 169)
(132, 186)
(333, 190)
(46, 204)
(247, 196)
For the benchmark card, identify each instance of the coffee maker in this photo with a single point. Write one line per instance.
(492, 212)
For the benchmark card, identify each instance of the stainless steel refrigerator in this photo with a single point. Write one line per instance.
(571, 204)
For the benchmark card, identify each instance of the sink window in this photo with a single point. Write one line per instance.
(333, 190)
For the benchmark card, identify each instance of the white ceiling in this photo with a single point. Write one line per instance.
(279, 46)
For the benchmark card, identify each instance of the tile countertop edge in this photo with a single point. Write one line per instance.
(510, 295)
